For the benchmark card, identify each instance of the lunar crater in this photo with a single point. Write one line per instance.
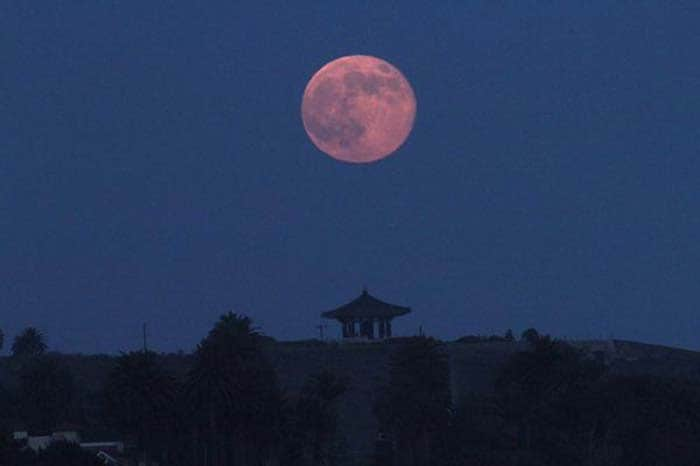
(384, 68)
(368, 83)
(358, 109)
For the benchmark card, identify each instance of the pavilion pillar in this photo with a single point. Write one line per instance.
(382, 328)
(367, 328)
(388, 328)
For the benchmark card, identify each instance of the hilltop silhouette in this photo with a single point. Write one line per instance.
(244, 399)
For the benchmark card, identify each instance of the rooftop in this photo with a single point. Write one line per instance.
(366, 305)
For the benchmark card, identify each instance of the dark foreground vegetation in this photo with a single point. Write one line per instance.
(551, 405)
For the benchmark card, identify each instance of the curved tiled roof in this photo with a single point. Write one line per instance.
(366, 305)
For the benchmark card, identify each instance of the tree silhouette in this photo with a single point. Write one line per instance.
(535, 388)
(316, 419)
(8, 406)
(233, 394)
(28, 344)
(415, 405)
(550, 371)
(139, 400)
(635, 420)
(45, 393)
(530, 335)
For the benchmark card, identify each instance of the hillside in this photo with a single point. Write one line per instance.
(473, 369)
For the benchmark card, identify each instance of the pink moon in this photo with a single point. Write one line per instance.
(358, 109)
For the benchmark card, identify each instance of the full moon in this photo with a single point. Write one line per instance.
(358, 109)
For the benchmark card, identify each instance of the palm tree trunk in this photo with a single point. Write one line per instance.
(213, 437)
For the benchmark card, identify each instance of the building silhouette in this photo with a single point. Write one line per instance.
(366, 317)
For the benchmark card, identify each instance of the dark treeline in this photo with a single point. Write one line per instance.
(551, 405)
(228, 409)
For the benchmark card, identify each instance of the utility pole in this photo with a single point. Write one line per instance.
(145, 339)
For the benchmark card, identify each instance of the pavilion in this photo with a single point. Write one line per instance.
(360, 317)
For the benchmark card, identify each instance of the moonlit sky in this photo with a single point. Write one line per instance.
(154, 168)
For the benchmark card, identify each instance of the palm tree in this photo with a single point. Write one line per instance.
(45, 392)
(533, 385)
(233, 394)
(139, 399)
(415, 405)
(316, 417)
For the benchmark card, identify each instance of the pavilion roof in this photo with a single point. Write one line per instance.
(366, 305)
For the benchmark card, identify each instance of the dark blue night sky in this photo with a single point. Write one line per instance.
(154, 168)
